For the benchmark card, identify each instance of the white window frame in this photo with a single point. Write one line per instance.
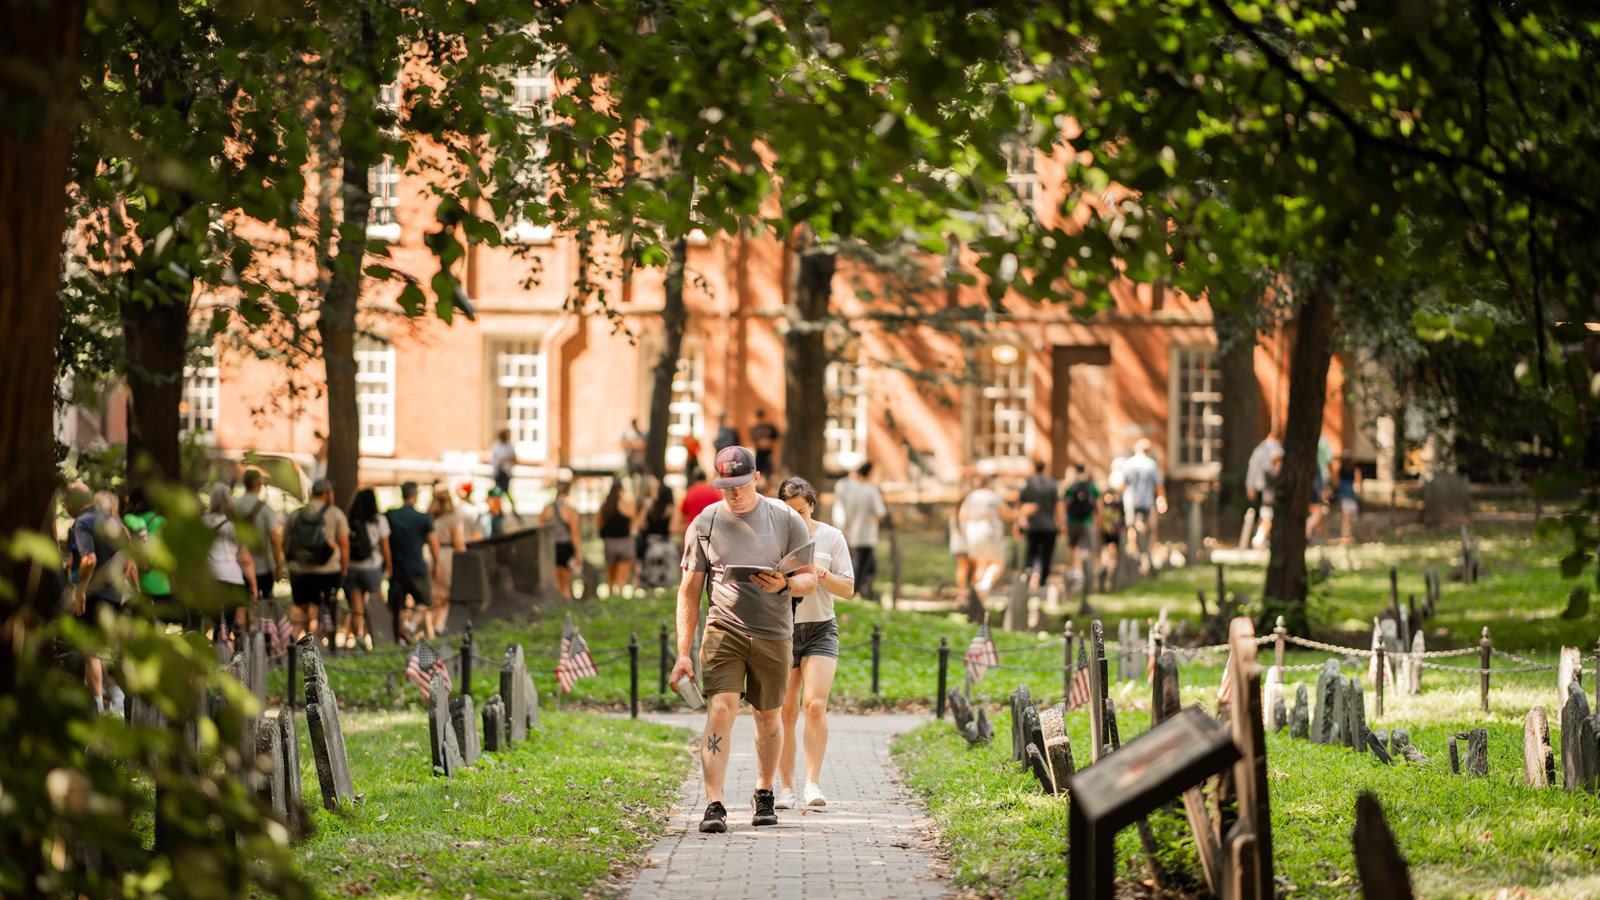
(383, 181)
(201, 403)
(520, 398)
(375, 396)
(1003, 406)
(1022, 172)
(1194, 412)
(686, 413)
(532, 88)
(845, 430)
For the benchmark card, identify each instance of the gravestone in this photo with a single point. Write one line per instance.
(1339, 716)
(1032, 732)
(442, 743)
(1375, 744)
(1589, 752)
(1164, 695)
(1389, 634)
(293, 789)
(494, 725)
(1053, 728)
(1569, 670)
(1355, 705)
(1446, 498)
(532, 693)
(1280, 715)
(1328, 686)
(272, 766)
(1478, 753)
(1124, 638)
(985, 727)
(1113, 739)
(1021, 699)
(1384, 873)
(959, 710)
(514, 694)
(327, 737)
(1300, 718)
(255, 665)
(465, 723)
(1040, 768)
(1574, 771)
(1538, 762)
(1455, 756)
(1097, 690)
(1383, 737)
(1272, 698)
(1418, 647)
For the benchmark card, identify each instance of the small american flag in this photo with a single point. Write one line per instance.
(424, 661)
(575, 661)
(1225, 692)
(980, 653)
(1080, 682)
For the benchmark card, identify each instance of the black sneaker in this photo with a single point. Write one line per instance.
(716, 820)
(766, 813)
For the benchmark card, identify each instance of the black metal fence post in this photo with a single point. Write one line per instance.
(944, 673)
(1485, 647)
(877, 649)
(633, 671)
(666, 659)
(467, 650)
(1383, 664)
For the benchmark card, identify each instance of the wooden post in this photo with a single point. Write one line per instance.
(1279, 633)
(944, 672)
(1485, 646)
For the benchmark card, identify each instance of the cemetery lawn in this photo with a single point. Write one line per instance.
(564, 814)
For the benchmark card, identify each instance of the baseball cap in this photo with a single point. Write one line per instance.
(464, 488)
(735, 467)
(321, 486)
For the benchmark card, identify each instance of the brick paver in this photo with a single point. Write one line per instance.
(870, 840)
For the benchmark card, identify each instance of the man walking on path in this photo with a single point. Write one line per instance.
(1041, 505)
(267, 547)
(410, 529)
(858, 509)
(747, 647)
(318, 547)
(764, 439)
(1143, 497)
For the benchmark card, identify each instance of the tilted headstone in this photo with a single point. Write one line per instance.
(494, 725)
(1323, 720)
(1113, 739)
(1455, 756)
(971, 733)
(960, 711)
(1573, 712)
(442, 744)
(464, 721)
(1378, 750)
(1389, 634)
(293, 792)
(1032, 733)
(1383, 737)
(532, 693)
(327, 737)
(1097, 690)
(1021, 699)
(255, 665)
(985, 727)
(1538, 761)
(514, 694)
(1040, 768)
(1478, 753)
(271, 764)
(1339, 716)
(1570, 669)
(1589, 753)
(1165, 700)
(1384, 873)
(1355, 705)
(1300, 718)
(1272, 698)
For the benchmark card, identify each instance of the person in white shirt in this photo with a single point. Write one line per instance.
(858, 509)
(815, 647)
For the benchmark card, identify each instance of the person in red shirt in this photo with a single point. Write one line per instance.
(699, 496)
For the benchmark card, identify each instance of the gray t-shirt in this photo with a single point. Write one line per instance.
(761, 537)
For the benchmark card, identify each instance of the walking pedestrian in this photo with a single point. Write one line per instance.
(502, 459)
(1255, 472)
(696, 499)
(1042, 521)
(317, 543)
(94, 568)
(634, 443)
(266, 544)
(497, 520)
(858, 510)
(748, 643)
(726, 436)
(231, 564)
(615, 522)
(411, 580)
(658, 557)
(1144, 496)
(983, 516)
(1347, 490)
(370, 563)
(1081, 502)
(764, 440)
(452, 538)
(567, 523)
(471, 514)
(815, 651)
(144, 526)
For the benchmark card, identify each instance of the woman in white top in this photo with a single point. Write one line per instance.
(816, 647)
(452, 530)
(983, 518)
(231, 563)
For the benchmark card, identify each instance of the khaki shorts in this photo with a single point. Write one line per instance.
(756, 669)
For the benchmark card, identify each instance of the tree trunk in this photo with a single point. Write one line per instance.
(1284, 592)
(674, 319)
(155, 332)
(806, 359)
(1241, 408)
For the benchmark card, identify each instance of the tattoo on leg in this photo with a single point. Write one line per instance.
(714, 743)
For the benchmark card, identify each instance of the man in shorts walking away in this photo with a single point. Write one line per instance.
(317, 542)
(410, 529)
(749, 630)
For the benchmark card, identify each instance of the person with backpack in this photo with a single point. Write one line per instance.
(317, 543)
(1041, 514)
(1081, 500)
(370, 564)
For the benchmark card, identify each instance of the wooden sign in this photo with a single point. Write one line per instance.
(1248, 844)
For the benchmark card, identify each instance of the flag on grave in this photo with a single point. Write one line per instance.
(1080, 682)
(980, 653)
(1225, 691)
(575, 662)
(420, 668)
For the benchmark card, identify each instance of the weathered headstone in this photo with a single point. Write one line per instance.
(1113, 739)
(985, 727)
(960, 711)
(1323, 720)
(1165, 700)
(1573, 770)
(1097, 690)
(1478, 753)
(1538, 762)
(272, 765)
(1570, 669)
(1383, 737)
(1021, 699)
(1375, 744)
(293, 789)
(1032, 733)
(255, 665)
(1589, 752)
(514, 694)
(464, 721)
(327, 737)
(1455, 756)
(1272, 697)
(1052, 726)
(1340, 717)
(532, 693)
(494, 724)
(1384, 874)
(1040, 768)
(1418, 647)
(1389, 635)
(442, 743)
(1300, 718)
(1355, 705)
(1280, 715)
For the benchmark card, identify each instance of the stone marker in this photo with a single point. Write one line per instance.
(1384, 874)
(442, 743)
(465, 723)
(985, 727)
(960, 711)
(1057, 746)
(272, 765)
(1272, 698)
(1538, 762)
(1478, 753)
(1165, 700)
(1040, 768)
(327, 738)
(1378, 750)
(1113, 739)
(514, 694)
(1338, 716)
(1097, 690)
(532, 693)
(1021, 699)
(494, 725)
(1322, 720)
(1355, 704)
(1383, 737)
(1569, 670)
(293, 792)
(1576, 709)
(1052, 723)
(1300, 718)
(1589, 752)
(1455, 757)
(1031, 731)
(1280, 715)
(255, 666)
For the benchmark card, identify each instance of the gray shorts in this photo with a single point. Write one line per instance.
(816, 639)
(369, 580)
(619, 550)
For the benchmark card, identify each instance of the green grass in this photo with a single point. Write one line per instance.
(559, 815)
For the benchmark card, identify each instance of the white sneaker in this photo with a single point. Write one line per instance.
(785, 799)
(813, 795)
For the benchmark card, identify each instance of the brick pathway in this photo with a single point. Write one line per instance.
(869, 841)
